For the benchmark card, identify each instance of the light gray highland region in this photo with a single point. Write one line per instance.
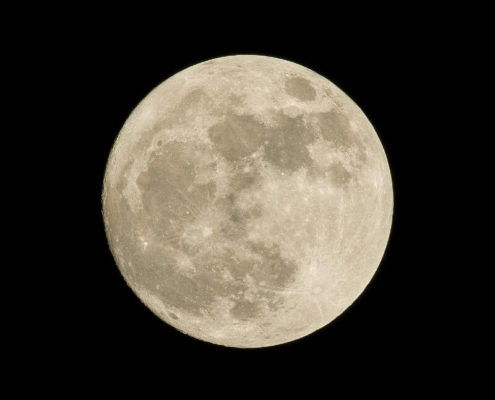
(247, 201)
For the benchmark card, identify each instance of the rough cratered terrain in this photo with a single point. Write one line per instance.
(247, 201)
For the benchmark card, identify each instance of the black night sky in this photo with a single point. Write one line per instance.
(96, 75)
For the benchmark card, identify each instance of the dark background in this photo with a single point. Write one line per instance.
(396, 72)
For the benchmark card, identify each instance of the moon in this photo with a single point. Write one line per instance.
(247, 201)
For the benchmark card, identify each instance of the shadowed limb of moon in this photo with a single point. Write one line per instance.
(247, 201)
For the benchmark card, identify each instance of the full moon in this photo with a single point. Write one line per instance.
(247, 201)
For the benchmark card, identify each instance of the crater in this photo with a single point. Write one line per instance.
(172, 315)
(234, 225)
(168, 194)
(339, 174)
(185, 110)
(300, 88)
(236, 100)
(238, 137)
(118, 215)
(247, 268)
(184, 293)
(239, 269)
(335, 128)
(245, 178)
(287, 143)
(195, 99)
(176, 289)
(121, 239)
(245, 310)
(275, 270)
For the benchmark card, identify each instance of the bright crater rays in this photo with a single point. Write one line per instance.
(247, 201)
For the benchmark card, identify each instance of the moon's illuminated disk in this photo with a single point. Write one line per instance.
(247, 201)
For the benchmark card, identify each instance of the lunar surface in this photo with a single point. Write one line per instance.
(247, 201)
